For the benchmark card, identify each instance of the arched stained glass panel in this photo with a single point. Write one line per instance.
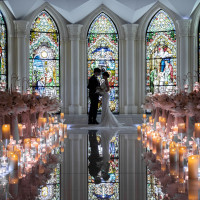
(3, 51)
(103, 53)
(161, 63)
(45, 55)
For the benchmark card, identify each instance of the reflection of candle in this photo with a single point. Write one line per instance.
(61, 115)
(62, 149)
(193, 165)
(154, 138)
(13, 162)
(158, 145)
(65, 130)
(139, 133)
(173, 155)
(13, 184)
(193, 187)
(6, 131)
(52, 119)
(144, 116)
(181, 128)
(197, 130)
(182, 152)
(20, 130)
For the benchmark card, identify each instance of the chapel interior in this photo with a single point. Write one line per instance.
(48, 52)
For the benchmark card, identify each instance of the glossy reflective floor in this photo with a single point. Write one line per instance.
(103, 164)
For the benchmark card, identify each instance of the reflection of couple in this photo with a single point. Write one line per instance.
(97, 163)
(96, 89)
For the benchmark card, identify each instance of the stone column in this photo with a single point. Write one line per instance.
(130, 68)
(74, 36)
(22, 49)
(183, 49)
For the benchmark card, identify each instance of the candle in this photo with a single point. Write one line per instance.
(182, 152)
(20, 130)
(6, 131)
(61, 115)
(13, 162)
(173, 157)
(181, 128)
(163, 166)
(193, 165)
(197, 130)
(144, 116)
(52, 119)
(27, 144)
(62, 149)
(175, 129)
(193, 190)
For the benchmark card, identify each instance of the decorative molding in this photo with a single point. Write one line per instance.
(184, 27)
(74, 31)
(21, 28)
(130, 30)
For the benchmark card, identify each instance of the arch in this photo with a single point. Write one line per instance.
(102, 50)
(116, 20)
(161, 53)
(54, 14)
(44, 59)
(8, 17)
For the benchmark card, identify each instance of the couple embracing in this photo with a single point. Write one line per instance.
(95, 90)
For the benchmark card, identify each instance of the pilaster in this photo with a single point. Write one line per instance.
(74, 36)
(130, 69)
(183, 53)
(22, 48)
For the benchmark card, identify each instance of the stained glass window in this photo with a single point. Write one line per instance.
(103, 145)
(103, 53)
(161, 63)
(44, 58)
(199, 53)
(3, 50)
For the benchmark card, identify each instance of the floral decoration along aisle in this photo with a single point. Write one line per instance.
(171, 140)
(29, 134)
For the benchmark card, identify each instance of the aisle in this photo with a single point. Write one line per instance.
(127, 171)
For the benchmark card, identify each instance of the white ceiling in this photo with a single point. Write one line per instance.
(76, 10)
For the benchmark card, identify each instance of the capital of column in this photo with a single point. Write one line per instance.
(130, 30)
(184, 26)
(74, 31)
(21, 27)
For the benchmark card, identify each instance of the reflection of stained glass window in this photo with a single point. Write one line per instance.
(44, 55)
(52, 189)
(3, 50)
(103, 53)
(160, 54)
(106, 189)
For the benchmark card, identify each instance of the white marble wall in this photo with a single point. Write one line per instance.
(73, 51)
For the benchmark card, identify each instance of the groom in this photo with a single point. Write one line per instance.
(94, 96)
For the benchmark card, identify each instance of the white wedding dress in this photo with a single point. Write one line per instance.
(107, 118)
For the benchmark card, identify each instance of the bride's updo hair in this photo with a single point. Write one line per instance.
(106, 74)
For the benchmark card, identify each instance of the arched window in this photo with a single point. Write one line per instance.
(103, 53)
(44, 58)
(3, 50)
(160, 54)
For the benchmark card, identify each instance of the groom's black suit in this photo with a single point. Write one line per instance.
(94, 98)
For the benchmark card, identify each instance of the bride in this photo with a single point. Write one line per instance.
(107, 118)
